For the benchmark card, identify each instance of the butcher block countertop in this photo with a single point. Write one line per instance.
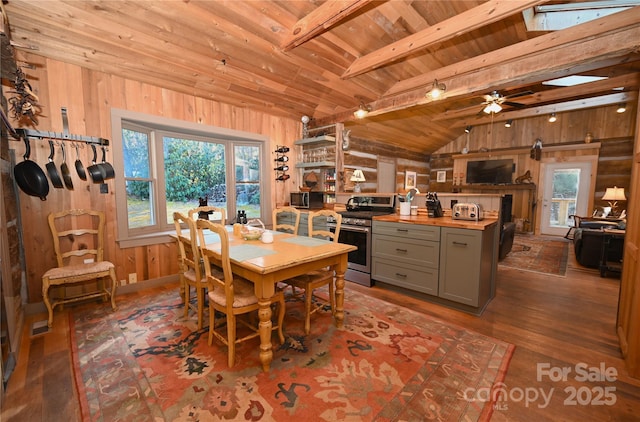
(441, 221)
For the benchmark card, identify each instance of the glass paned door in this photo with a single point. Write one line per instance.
(247, 177)
(566, 193)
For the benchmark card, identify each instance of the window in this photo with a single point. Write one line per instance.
(169, 165)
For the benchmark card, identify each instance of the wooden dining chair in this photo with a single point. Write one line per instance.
(231, 296)
(317, 278)
(209, 213)
(78, 243)
(190, 266)
(284, 213)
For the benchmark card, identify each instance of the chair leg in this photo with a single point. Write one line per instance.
(308, 295)
(212, 323)
(332, 295)
(45, 296)
(200, 294)
(231, 339)
(114, 286)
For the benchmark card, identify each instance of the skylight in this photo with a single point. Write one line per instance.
(554, 17)
(573, 80)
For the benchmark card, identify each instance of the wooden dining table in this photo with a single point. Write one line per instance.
(266, 264)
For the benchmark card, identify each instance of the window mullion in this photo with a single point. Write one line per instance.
(160, 198)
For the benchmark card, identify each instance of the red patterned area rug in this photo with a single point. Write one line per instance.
(539, 254)
(145, 362)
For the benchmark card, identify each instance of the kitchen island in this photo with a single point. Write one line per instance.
(451, 262)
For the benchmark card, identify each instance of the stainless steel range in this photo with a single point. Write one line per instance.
(356, 230)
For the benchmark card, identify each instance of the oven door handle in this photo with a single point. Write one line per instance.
(358, 229)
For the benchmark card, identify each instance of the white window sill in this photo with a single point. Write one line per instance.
(147, 239)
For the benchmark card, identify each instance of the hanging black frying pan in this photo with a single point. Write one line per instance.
(109, 172)
(95, 170)
(56, 181)
(64, 169)
(30, 177)
(79, 167)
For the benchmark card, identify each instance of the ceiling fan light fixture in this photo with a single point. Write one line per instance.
(437, 89)
(508, 123)
(492, 107)
(468, 129)
(622, 108)
(552, 118)
(362, 111)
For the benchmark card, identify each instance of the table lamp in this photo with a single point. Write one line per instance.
(357, 177)
(613, 195)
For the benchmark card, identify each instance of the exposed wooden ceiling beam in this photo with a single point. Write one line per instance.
(607, 49)
(603, 100)
(320, 20)
(631, 81)
(543, 43)
(483, 15)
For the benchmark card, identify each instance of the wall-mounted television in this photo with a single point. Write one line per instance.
(496, 172)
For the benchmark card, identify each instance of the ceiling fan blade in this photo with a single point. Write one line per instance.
(519, 94)
(512, 104)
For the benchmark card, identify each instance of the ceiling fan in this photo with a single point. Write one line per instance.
(494, 101)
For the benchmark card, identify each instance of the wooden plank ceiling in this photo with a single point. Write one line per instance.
(324, 59)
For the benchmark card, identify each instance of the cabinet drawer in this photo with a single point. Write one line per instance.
(408, 231)
(411, 251)
(408, 276)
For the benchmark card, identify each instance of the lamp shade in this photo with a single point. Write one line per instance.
(614, 194)
(357, 176)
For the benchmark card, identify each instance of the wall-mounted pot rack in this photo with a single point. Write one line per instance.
(62, 136)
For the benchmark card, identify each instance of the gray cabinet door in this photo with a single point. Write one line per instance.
(460, 265)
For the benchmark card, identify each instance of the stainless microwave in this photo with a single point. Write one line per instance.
(307, 200)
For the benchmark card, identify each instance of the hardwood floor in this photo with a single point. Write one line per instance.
(555, 322)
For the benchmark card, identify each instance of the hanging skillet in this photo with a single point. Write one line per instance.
(109, 172)
(30, 177)
(96, 171)
(64, 169)
(79, 167)
(56, 181)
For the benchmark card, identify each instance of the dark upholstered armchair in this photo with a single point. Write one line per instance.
(507, 233)
(587, 245)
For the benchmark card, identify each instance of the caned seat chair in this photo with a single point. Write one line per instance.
(283, 213)
(317, 278)
(231, 296)
(209, 213)
(78, 242)
(191, 269)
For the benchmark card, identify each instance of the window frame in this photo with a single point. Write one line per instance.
(162, 126)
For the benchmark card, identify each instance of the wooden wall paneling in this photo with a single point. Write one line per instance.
(155, 265)
(89, 97)
(603, 123)
(614, 168)
(628, 322)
